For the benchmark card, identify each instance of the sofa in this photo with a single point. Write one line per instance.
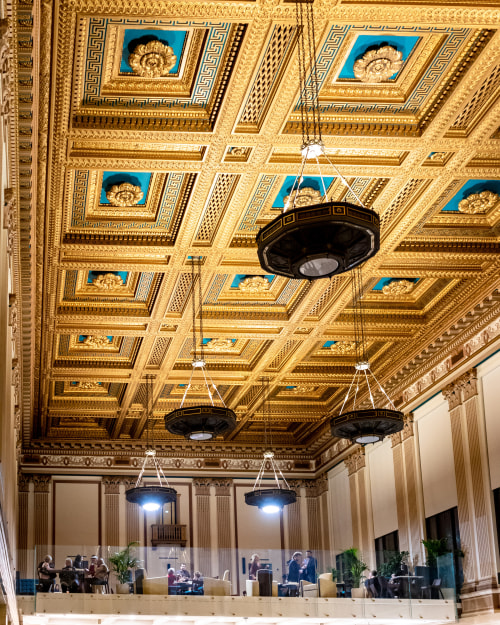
(217, 587)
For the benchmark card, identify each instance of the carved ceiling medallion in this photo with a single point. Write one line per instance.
(378, 65)
(399, 287)
(96, 342)
(302, 389)
(254, 284)
(107, 282)
(220, 345)
(476, 203)
(89, 385)
(124, 194)
(152, 60)
(302, 197)
(342, 348)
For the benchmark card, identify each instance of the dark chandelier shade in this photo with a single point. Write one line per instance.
(316, 240)
(151, 497)
(206, 421)
(269, 500)
(357, 422)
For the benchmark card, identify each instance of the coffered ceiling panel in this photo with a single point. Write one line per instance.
(154, 133)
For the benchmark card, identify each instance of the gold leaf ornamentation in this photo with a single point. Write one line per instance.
(399, 287)
(378, 65)
(107, 281)
(96, 342)
(254, 284)
(302, 197)
(343, 348)
(124, 194)
(220, 345)
(89, 385)
(302, 389)
(438, 156)
(478, 202)
(152, 60)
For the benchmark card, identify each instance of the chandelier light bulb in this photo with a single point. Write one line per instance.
(150, 506)
(270, 509)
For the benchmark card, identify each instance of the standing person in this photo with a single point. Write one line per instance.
(183, 573)
(255, 565)
(100, 574)
(294, 567)
(309, 566)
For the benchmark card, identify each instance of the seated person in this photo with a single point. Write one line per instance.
(78, 564)
(89, 573)
(172, 580)
(294, 566)
(45, 575)
(183, 574)
(100, 573)
(68, 577)
(197, 586)
(372, 585)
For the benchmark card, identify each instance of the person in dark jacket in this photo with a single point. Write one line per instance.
(309, 566)
(294, 566)
(68, 577)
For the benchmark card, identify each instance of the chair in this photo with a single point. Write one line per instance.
(46, 585)
(433, 591)
(308, 589)
(101, 587)
(253, 589)
(326, 586)
(216, 587)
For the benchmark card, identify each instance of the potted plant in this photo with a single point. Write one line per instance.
(392, 562)
(354, 567)
(122, 563)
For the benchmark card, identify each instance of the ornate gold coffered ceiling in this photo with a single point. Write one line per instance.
(152, 132)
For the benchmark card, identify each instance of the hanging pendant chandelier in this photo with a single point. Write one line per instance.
(311, 239)
(269, 500)
(155, 496)
(206, 421)
(367, 414)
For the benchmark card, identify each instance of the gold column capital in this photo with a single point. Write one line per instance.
(461, 389)
(355, 461)
(23, 482)
(111, 484)
(202, 486)
(222, 486)
(42, 483)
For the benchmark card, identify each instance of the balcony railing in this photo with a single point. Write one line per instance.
(168, 535)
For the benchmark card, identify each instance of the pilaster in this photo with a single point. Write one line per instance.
(362, 522)
(223, 488)
(112, 510)
(42, 488)
(203, 525)
(294, 520)
(409, 496)
(23, 562)
(132, 514)
(475, 514)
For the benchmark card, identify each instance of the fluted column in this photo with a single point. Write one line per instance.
(475, 514)
(24, 564)
(203, 526)
(223, 512)
(409, 496)
(294, 520)
(112, 511)
(42, 488)
(362, 523)
(132, 514)
(313, 517)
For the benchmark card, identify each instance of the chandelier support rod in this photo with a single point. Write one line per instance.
(383, 390)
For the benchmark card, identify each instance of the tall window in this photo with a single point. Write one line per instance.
(169, 514)
(388, 543)
(445, 525)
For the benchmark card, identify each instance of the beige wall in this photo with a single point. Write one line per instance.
(382, 488)
(489, 375)
(339, 509)
(436, 455)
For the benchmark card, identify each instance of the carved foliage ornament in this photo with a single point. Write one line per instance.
(254, 284)
(107, 281)
(219, 345)
(478, 202)
(399, 287)
(306, 196)
(124, 194)
(378, 65)
(89, 385)
(342, 348)
(96, 342)
(152, 60)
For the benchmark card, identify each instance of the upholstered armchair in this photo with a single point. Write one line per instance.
(155, 585)
(326, 586)
(252, 588)
(217, 587)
